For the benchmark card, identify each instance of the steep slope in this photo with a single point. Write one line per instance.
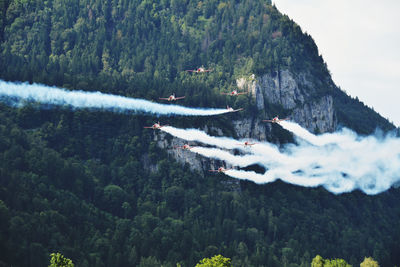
(98, 188)
(120, 47)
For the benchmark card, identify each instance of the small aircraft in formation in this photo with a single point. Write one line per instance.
(229, 109)
(276, 120)
(185, 146)
(155, 126)
(233, 110)
(220, 169)
(199, 70)
(247, 143)
(172, 98)
(234, 93)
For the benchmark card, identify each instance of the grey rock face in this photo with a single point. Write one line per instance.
(281, 89)
(251, 85)
(250, 128)
(293, 93)
(317, 116)
(195, 162)
(180, 155)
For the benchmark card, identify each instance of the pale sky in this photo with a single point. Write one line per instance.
(360, 42)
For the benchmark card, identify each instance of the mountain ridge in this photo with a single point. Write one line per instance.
(77, 182)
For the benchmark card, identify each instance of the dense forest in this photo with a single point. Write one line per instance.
(142, 49)
(94, 186)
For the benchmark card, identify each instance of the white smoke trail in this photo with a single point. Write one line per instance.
(320, 140)
(249, 175)
(274, 172)
(81, 99)
(225, 142)
(200, 136)
(242, 161)
(340, 162)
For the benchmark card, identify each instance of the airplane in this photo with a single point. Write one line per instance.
(276, 119)
(247, 143)
(201, 69)
(233, 110)
(220, 169)
(234, 93)
(155, 126)
(172, 98)
(185, 146)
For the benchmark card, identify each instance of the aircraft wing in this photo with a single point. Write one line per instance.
(181, 97)
(163, 98)
(235, 110)
(243, 93)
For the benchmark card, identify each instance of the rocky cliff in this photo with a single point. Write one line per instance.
(296, 94)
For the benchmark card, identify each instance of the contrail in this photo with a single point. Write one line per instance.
(96, 100)
(200, 136)
(241, 161)
(250, 176)
(271, 175)
(339, 138)
(224, 142)
(340, 162)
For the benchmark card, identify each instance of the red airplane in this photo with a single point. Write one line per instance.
(172, 98)
(220, 169)
(247, 143)
(155, 126)
(276, 120)
(233, 110)
(199, 70)
(234, 93)
(185, 146)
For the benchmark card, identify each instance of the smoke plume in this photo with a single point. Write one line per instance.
(23, 92)
(340, 162)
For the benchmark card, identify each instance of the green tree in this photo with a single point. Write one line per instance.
(149, 262)
(369, 262)
(318, 261)
(58, 260)
(216, 261)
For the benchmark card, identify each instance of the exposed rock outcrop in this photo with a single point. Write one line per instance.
(194, 161)
(294, 93)
(251, 128)
(317, 116)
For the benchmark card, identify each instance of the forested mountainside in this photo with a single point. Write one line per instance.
(74, 182)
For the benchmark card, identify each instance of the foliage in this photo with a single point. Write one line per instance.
(369, 262)
(81, 182)
(318, 261)
(216, 261)
(58, 260)
(95, 186)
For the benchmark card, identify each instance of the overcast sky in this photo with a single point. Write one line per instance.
(360, 42)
